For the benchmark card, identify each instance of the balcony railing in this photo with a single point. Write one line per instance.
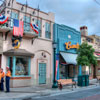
(10, 23)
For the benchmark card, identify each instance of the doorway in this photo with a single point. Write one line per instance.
(42, 73)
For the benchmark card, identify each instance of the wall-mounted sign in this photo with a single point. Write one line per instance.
(16, 44)
(69, 46)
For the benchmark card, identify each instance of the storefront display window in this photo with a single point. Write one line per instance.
(19, 66)
(68, 71)
(62, 74)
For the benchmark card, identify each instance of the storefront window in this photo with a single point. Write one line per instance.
(62, 74)
(21, 66)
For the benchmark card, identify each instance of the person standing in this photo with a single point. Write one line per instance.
(0, 78)
(8, 75)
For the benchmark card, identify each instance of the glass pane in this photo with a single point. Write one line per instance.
(22, 66)
(27, 19)
(26, 27)
(62, 74)
(38, 22)
(11, 64)
(13, 16)
(39, 33)
(48, 35)
(26, 23)
(48, 27)
(47, 30)
(12, 22)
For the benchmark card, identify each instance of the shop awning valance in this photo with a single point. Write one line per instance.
(69, 58)
(18, 52)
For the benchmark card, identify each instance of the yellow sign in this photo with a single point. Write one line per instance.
(69, 46)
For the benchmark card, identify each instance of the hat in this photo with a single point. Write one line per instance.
(7, 67)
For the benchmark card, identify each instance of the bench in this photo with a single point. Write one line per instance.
(63, 82)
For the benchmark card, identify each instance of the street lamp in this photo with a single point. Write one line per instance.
(55, 85)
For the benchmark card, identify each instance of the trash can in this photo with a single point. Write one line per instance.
(81, 80)
(86, 80)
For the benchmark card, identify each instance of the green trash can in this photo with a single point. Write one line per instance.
(86, 80)
(81, 80)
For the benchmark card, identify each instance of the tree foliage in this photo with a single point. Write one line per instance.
(86, 55)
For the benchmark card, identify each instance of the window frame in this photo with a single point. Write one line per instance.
(48, 30)
(39, 23)
(12, 19)
(27, 23)
(14, 66)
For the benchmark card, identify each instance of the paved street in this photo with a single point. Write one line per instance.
(89, 94)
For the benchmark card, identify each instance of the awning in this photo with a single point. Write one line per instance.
(69, 58)
(18, 52)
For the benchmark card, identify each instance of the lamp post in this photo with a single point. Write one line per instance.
(55, 85)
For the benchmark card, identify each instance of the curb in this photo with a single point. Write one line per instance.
(51, 93)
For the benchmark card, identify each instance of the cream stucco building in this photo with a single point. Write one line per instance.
(31, 64)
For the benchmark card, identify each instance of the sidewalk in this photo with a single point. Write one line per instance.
(29, 92)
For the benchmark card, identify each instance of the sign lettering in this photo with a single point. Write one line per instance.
(69, 46)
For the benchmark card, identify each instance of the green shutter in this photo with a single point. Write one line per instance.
(47, 30)
(48, 27)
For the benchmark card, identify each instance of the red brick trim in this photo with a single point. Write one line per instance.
(20, 78)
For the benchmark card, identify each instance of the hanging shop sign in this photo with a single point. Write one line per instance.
(17, 33)
(69, 46)
(3, 19)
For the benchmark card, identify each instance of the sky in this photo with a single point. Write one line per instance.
(73, 13)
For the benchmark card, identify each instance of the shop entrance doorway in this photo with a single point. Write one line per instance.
(67, 71)
(42, 73)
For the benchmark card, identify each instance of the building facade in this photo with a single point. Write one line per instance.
(68, 41)
(94, 41)
(31, 64)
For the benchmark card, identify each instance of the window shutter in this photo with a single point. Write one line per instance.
(48, 27)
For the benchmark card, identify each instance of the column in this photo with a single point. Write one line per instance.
(14, 66)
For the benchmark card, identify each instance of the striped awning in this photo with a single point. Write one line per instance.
(69, 58)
